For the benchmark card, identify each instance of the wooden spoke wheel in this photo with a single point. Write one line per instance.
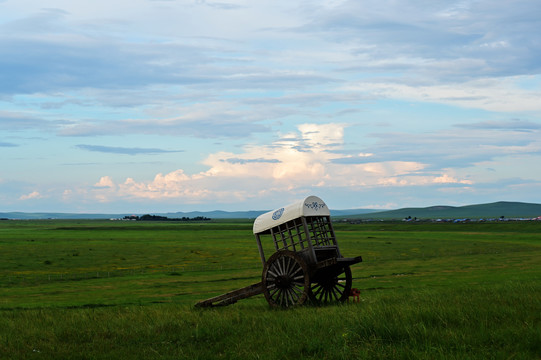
(331, 284)
(286, 281)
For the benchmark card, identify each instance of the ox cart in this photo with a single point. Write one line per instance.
(306, 265)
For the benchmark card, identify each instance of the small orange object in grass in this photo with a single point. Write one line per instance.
(355, 294)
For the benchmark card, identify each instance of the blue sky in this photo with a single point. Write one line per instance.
(173, 105)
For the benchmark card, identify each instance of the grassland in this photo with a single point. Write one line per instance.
(125, 290)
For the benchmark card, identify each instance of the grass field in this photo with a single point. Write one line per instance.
(126, 290)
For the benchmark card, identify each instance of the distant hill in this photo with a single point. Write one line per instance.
(252, 214)
(47, 215)
(493, 210)
(339, 213)
(217, 214)
(193, 214)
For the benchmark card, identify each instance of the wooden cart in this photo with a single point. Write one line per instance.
(307, 264)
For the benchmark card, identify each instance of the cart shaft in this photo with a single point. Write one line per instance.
(232, 296)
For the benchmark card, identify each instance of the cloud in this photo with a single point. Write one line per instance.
(512, 125)
(441, 42)
(447, 179)
(174, 185)
(259, 168)
(202, 127)
(322, 136)
(484, 33)
(7, 144)
(212, 120)
(21, 121)
(457, 147)
(306, 160)
(125, 151)
(245, 161)
(220, 5)
(32, 195)
(272, 98)
(361, 158)
(44, 66)
(105, 182)
(52, 51)
(492, 94)
(207, 87)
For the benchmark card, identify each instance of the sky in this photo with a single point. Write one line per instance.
(180, 105)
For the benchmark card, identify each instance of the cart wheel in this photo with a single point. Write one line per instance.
(331, 284)
(285, 279)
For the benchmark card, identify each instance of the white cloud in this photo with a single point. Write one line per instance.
(492, 94)
(447, 179)
(172, 185)
(322, 136)
(105, 182)
(32, 195)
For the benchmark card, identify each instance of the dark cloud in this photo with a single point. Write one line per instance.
(202, 123)
(456, 148)
(448, 40)
(211, 125)
(246, 161)
(511, 125)
(66, 55)
(72, 58)
(125, 151)
(220, 5)
(18, 121)
(30, 66)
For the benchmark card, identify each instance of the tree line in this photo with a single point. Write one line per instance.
(148, 217)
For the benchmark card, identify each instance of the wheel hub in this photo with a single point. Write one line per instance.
(283, 282)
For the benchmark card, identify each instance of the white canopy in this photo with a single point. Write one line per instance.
(310, 206)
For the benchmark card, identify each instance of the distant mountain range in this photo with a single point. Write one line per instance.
(506, 209)
(492, 210)
(217, 214)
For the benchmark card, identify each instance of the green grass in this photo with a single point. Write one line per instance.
(125, 290)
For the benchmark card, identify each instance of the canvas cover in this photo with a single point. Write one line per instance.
(310, 206)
